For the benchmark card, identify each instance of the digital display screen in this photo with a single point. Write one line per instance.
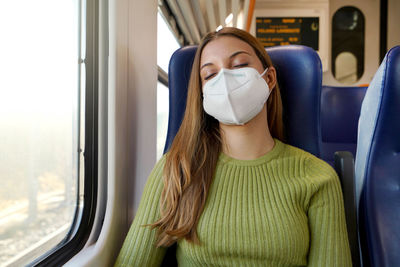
(274, 31)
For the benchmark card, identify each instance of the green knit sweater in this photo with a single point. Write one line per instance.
(282, 209)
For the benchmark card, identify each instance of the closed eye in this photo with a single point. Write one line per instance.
(241, 65)
(209, 76)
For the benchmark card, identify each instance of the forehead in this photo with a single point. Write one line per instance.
(223, 47)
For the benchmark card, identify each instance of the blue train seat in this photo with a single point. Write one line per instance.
(378, 166)
(299, 76)
(340, 110)
(179, 69)
(299, 72)
(300, 79)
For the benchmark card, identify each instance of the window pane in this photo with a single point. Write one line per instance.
(348, 40)
(166, 43)
(39, 126)
(162, 117)
(346, 68)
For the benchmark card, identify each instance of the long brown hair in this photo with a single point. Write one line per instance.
(191, 161)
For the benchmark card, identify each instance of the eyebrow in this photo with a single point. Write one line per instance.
(230, 57)
(239, 52)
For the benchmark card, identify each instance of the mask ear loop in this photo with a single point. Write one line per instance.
(262, 74)
(265, 71)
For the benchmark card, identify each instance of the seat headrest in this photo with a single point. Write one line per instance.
(179, 69)
(299, 72)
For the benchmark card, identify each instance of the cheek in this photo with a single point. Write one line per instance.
(261, 69)
(258, 66)
(201, 86)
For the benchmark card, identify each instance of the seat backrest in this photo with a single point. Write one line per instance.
(179, 69)
(378, 166)
(340, 110)
(299, 72)
(299, 76)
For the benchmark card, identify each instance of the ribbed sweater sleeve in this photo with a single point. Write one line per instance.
(329, 244)
(139, 246)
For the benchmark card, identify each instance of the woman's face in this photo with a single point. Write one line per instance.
(228, 53)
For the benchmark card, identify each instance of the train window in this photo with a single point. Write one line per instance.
(346, 68)
(166, 46)
(348, 39)
(42, 127)
(166, 43)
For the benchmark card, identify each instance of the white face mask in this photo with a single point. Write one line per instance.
(235, 96)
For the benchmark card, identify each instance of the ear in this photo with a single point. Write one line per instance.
(270, 77)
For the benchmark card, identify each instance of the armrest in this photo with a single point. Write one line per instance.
(344, 166)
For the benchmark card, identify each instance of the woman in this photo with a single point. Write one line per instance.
(229, 191)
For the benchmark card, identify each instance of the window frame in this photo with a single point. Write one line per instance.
(162, 76)
(84, 215)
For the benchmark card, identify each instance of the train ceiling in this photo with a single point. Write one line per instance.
(190, 20)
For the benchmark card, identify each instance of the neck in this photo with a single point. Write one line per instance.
(249, 141)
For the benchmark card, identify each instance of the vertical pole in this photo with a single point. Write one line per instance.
(383, 29)
(250, 14)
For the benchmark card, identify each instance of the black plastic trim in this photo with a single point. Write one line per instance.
(344, 166)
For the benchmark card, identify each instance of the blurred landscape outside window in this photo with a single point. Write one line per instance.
(39, 125)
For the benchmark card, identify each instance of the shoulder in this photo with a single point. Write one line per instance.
(159, 166)
(317, 171)
(294, 155)
(320, 173)
(292, 151)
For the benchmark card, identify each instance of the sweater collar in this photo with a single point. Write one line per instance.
(225, 159)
